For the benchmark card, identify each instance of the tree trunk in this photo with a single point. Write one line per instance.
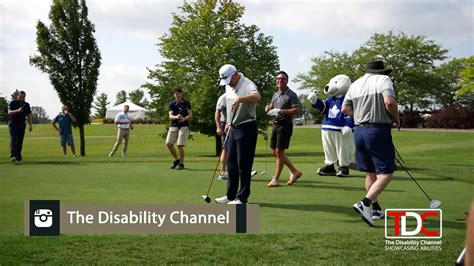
(83, 140)
(218, 144)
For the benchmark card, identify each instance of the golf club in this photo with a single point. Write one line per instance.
(398, 155)
(206, 197)
(434, 204)
(266, 148)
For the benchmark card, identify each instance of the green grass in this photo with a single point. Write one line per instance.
(311, 222)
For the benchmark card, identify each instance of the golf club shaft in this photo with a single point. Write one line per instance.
(266, 146)
(406, 170)
(398, 154)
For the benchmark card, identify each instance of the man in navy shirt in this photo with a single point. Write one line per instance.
(18, 112)
(65, 120)
(179, 113)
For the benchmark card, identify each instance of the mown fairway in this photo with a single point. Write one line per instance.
(311, 222)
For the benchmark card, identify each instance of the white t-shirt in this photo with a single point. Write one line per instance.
(123, 117)
(221, 106)
(247, 111)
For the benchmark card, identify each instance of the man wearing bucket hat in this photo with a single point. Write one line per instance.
(371, 101)
(241, 99)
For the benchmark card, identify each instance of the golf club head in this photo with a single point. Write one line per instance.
(263, 172)
(206, 198)
(435, 204)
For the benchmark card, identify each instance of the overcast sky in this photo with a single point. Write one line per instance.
(127, 31)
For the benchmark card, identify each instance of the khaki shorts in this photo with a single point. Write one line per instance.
(179, 134)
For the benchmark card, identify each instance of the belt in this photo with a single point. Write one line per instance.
(377, 125)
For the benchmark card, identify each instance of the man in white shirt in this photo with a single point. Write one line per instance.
(241, 99)
(124, 124)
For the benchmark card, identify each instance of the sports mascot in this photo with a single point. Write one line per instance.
(338, 141)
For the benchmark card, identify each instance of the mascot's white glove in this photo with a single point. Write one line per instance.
(274, 112)
(312, 97)
(346, 131)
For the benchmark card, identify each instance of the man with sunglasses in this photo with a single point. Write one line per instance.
(241, 98)
(284, 106)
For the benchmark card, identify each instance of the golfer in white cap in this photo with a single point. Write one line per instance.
(241, 99)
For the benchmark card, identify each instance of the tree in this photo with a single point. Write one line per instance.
(3, 110)
(202, 38)
(413, 60)
(121, 97)
(466, 82)
(100, 105)
(38, 115)
(68, 53)
(136, 97)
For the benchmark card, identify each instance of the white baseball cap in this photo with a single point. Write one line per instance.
(225, 74)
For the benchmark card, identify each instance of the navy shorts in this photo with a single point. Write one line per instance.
(374, 150)
(66, 138)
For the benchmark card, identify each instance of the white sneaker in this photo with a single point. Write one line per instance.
(111, 154)
(222, 200)
(222, 176)
(364, 212)
(377, 215)
(235, 202)
(253, 173)
(124, 155)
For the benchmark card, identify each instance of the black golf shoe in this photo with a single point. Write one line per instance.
(327, 170)
(175, 163)
(180, 167)
(343, 171)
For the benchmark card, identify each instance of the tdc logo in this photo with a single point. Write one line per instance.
(413, 223)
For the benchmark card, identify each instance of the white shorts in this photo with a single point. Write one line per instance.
(177, 134)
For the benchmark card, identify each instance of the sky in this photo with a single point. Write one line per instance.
(127, 32)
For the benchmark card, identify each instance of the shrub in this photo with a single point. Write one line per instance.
(452, 117)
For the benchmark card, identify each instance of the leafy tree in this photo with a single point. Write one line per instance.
(466, 82)
(450, 82)
(203, 37)
(121, 97)
(100, 105)
(68, 53)
(136, 97)
(3, 109)
(412, 59)
(38, 115)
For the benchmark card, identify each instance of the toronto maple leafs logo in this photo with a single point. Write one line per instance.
(333, 112)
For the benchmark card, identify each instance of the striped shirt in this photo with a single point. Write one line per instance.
(366, 96)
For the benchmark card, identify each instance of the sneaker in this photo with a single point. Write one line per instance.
(180, 166)
(235, 202)
(253, 173)
(327, 170)
(273, 183)
(293, 179)
(73, 156)
(364, 212)
(175, 163)
(13, 159)
(222, 176)
(343, 171)
(222, 200)
(377, 215)
(111, 154)
(124, 155)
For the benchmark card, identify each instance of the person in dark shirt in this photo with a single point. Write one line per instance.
(284, 106)
(18, 112)
(179, 113)
(65, 120)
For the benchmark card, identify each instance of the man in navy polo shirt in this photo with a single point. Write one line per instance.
(179, 113)
(18, 112)
(65, 120)
(371, 101)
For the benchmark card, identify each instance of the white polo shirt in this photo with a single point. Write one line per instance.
(247, 111)
(123, 117)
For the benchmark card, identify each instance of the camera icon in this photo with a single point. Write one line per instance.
(43, 218)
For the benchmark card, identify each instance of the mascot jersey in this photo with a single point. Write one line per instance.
(334, 118)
